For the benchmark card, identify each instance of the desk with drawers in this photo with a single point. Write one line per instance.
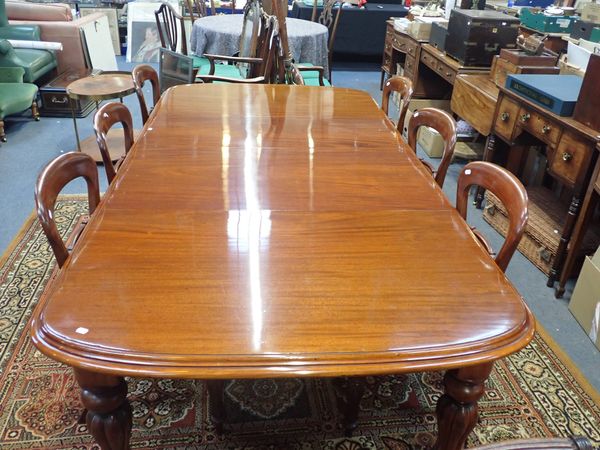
(422, 63)
(571, 154)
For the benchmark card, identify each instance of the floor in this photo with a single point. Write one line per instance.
(32, 144)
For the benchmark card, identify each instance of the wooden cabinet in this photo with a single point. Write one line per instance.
(570, 151)
(400, 48)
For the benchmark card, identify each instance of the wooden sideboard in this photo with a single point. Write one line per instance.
(570, 151)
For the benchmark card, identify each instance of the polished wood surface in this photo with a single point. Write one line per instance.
(103, 86)
(239, 238)
(291, 234)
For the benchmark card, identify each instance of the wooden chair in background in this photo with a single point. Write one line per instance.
(141, 74)
(197, 9)
(443, 123)
(246, 64)
(404, 87)
(330, 17)
(53, 178)
(263, 67)
(510, 192)
(171, 30)
(107, 116)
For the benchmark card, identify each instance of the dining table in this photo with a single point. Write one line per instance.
(220, 35)
(269, 231)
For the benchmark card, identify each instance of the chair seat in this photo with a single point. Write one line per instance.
(200, 61)
(36, 62)
(311, 78)
(222, 70)
(16, 97)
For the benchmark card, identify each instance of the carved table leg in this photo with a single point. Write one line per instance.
(352, 390)
(108, 411)
(488, 155)
(457, 409)
(565, 237)
(216, 403)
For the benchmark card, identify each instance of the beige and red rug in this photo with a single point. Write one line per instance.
(534, 393)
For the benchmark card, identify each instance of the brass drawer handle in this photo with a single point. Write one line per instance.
(504, 116)
(566, 156)
(546, 129)
(448, 74)
(525, 117)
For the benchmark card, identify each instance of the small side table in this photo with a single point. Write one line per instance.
(100, 87)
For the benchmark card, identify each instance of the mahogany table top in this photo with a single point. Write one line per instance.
(260, 230)
(102, 86)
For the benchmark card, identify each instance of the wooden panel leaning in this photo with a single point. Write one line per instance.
(572, 443)
(142, 73)
(404, 87)
(511, 193)
(104, 119)
(443, 123)
(55, 176)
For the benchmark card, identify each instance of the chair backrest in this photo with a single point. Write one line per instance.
(199, 8)
(330, 20)
(253, 29)
(269, 49)
(141, 74)
(508, 189)
(51, 181)
(108, 115)
(174, 69)
(443, 123)
(404, 87)
(171, 28)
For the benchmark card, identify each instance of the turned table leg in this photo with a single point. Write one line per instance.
(352, 389)
(457, 409)
(565, 237)
(108, 416)
(216, 403)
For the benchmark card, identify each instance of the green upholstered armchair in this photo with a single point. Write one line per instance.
(36, 63)
(15, 96)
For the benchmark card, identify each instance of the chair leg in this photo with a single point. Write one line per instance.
(2, 134)
(35, 112)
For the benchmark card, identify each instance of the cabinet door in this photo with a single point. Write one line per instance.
(96, 36)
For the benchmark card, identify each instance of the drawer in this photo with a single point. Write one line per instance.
(539, 126)
(409, 68)
(506, 119)
(411, 48)
(429, 60)
(400, 43)
(446, 72)
(571, 159)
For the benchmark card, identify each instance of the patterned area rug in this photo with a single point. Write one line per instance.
(531, 394)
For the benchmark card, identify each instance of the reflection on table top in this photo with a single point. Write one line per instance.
(262, 230)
